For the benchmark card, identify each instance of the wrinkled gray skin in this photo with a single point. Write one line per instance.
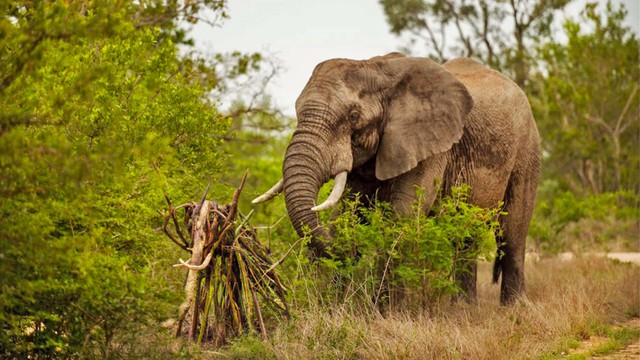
(396, 122)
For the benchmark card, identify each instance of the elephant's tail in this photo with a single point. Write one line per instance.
(497, 268)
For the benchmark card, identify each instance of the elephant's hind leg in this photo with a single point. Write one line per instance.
(519, 201)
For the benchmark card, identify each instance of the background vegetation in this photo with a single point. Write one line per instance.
(106, 105)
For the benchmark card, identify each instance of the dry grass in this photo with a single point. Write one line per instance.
(567, 301)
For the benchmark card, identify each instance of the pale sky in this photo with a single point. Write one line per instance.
(302, 33)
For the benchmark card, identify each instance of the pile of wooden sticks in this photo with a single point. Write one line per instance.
(229, 273)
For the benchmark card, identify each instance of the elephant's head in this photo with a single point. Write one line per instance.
(394, 110)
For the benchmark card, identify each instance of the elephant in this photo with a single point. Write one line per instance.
(386, 125)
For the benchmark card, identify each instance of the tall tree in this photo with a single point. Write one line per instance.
(500, 33)
(99, 115)
(586, 102)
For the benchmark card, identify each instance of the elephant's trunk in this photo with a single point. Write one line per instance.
(305, 170)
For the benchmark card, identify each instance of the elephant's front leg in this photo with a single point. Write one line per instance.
(466, 276)
(425, 180)
(429, 176)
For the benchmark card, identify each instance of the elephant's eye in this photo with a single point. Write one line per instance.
(354, 115)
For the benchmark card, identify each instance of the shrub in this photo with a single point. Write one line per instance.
(409, 261)
(98, 118)
(564, 221)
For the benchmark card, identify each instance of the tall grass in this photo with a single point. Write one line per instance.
(567, 301)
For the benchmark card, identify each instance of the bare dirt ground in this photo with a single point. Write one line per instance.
(632, 351)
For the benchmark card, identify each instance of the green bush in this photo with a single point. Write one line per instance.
(98, 118)
(565, 221)
(385, 259)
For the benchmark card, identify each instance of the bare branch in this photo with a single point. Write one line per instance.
(466, 40)
(491, 56)
(204, 264)
(620, 128)
(277, 263)
(439, 48)
(175, 222)
(196, 210)
(597, 120)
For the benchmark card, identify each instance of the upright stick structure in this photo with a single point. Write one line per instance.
(228, 274)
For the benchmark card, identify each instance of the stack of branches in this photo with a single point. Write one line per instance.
(228, 269)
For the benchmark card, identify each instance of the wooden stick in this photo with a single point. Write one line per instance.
(257, 304)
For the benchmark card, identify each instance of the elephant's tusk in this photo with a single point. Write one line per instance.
(336, 192)
(270, 194)
(204, 264)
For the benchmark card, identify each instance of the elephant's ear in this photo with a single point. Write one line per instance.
(426, 111)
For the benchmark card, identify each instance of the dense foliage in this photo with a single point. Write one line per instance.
(586, 104)
(100, 116)
(407, 261)
(585, 100)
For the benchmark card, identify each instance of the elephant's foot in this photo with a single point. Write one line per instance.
(466, 278)
(510, 291)
(470, 297)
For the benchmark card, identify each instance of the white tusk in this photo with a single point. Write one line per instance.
(270, 194)
(204, 264)
(336, 192)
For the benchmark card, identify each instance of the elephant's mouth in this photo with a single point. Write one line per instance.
(336, 193)
(300, 202)
(340, 183)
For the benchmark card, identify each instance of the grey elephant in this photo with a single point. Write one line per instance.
(389, 124)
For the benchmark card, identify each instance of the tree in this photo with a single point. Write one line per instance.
(499, 33)
(586, 102)
(99, 116)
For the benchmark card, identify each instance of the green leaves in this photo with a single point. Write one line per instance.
(564, 221)
(99, 118)
(379, 253)
(583, 101)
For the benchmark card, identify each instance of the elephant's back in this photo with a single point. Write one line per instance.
(499, 132)
(501, 109)
(466, 67)
(495, 96)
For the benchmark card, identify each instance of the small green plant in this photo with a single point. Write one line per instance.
(250, 346)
